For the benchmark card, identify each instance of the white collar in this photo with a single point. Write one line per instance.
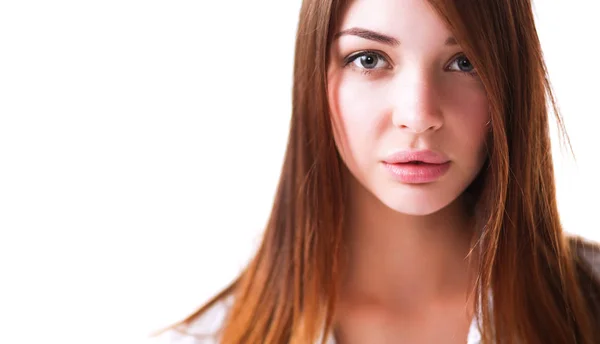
(474, 336)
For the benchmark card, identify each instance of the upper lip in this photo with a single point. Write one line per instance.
(425, 156)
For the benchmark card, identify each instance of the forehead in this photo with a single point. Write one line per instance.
(406, 20)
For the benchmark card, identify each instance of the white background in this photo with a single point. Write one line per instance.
(141, 142)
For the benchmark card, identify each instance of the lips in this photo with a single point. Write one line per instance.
(416, 157)
(414, 163)
(417, 173)
(417, 167)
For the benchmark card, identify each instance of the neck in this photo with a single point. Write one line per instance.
(404, 260)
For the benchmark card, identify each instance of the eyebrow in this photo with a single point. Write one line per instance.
(379, 37)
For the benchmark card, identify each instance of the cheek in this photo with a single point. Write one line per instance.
(468, 121)
(356, 118)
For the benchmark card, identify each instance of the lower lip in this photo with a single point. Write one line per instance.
(417, 173)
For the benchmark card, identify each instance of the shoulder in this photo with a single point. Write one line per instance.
(587, 252)
(203, 329)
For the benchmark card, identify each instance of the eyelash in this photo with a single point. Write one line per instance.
(350, 59)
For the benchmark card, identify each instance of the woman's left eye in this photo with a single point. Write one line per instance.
(462, 64)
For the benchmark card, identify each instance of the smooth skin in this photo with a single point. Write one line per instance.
(398, 80)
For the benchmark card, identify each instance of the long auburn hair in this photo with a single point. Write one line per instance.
(541, 290)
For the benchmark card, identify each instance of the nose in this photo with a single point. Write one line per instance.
(416, 105)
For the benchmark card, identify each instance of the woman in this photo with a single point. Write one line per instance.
(416, 202)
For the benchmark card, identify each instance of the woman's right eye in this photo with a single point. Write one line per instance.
(367, 60)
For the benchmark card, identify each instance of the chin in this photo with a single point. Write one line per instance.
(415, 209)
(415, 202)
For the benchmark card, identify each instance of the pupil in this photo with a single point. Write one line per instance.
(369, 61)
(465, 64)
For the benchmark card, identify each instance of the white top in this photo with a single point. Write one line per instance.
(210, 322)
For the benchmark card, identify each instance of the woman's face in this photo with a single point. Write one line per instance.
(398, 84)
